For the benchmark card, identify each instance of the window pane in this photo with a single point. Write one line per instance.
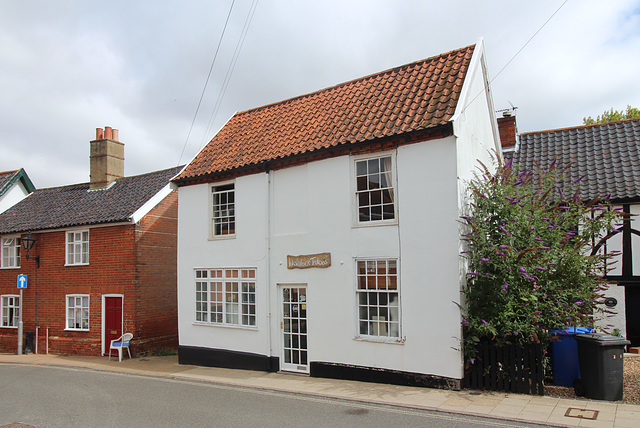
(373, 166)
(361, 168)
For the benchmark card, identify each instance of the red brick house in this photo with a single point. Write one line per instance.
(103, 263)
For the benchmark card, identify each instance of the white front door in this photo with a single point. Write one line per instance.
(294, 328)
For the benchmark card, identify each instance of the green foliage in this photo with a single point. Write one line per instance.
(530, 265)
(164, 352)
(613, 115)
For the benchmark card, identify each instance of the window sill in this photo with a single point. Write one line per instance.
(76, 264)
(376, 223)
(239, 327)
(10, 267)
(376, 339)
(8, 326)
(222, 237)
(77, 329)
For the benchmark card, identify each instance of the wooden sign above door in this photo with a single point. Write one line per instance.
(322, 260)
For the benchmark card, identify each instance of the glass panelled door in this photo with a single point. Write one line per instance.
(294, 329)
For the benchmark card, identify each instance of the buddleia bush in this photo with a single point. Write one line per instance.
(529, 239)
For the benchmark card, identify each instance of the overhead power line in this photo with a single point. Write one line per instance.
(204, 89)
(232, 65)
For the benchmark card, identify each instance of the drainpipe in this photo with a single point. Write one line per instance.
(268, 261)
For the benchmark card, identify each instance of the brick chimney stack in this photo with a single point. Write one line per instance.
(508, 131)
(106, 158)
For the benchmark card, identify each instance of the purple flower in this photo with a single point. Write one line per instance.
(578, 303)
(538, 239)
(504, 246)
(473, 273)
(483, 322)
(485, 259)
(532, 228)
(473, 361)
(523, 270)
(515, 333)
(577, 180)
(466, 323)
(545, 248)
(540, 268)
(503, 229)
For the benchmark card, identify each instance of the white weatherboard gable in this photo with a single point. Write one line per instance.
(14, 195)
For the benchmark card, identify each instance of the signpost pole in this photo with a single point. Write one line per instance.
(22, 284)
(20, 325)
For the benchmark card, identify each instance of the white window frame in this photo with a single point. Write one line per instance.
(77, 247)
(357, 193)
(226, 215)
(10, 302)
(11, 252)
(73, 310)
(226, 297)
(378, 319)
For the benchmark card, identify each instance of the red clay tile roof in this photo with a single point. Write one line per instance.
(412, 97)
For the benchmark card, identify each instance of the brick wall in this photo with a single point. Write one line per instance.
(136, 261)
(156, 277)
(110, 270)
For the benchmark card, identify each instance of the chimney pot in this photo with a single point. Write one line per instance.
(99, 134)
(107, 132)
(114, 134)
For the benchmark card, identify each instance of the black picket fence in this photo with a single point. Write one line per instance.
(509, 368)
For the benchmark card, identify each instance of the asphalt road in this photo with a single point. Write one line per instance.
(69, 397)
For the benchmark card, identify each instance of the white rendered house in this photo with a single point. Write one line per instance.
(320, 234)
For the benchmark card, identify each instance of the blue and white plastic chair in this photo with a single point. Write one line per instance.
(120, 343)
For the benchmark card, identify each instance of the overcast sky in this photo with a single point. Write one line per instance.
(69, 67)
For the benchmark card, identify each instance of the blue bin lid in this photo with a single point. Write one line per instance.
(570, 331)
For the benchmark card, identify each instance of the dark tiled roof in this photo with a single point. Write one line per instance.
(607, 156)
(76, 205)
(412, 97)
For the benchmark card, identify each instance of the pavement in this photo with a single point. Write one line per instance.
(552, 411)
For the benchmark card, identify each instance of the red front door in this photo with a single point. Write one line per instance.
(113, 321)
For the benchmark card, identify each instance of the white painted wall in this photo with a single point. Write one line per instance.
(196, 250)
(311, 212)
